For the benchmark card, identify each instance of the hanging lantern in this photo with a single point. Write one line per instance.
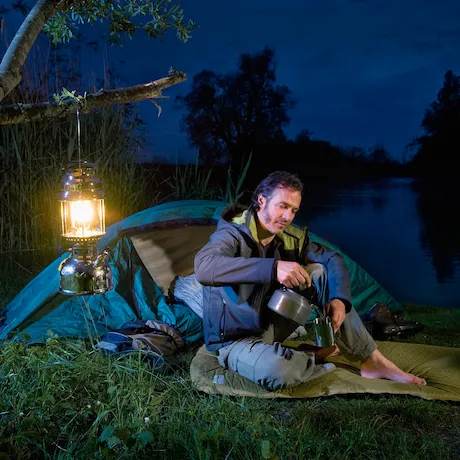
(83, 224)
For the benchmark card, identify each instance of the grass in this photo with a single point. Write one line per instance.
(203, 183)
(64, 400)
(192, 182)
(444, 325)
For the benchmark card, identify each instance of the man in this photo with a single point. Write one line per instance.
(254, 251)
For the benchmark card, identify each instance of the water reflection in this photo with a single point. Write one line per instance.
(439, 212)
(405, 234)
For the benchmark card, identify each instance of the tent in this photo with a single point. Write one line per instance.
(148, 251)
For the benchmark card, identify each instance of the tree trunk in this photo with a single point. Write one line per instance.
(24, 113)
(19, 48)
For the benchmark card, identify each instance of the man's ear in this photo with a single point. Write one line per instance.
(261, 200)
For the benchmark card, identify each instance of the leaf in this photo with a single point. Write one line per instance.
(92, 445)
(112, 442)
(107, 433)
(123, 434)
(112, 389)
(145, 437)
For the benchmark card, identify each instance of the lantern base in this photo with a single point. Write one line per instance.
(85, 273)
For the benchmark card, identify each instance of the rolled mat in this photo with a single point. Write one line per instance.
(439, 366)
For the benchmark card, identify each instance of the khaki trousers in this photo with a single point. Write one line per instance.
(263, 360)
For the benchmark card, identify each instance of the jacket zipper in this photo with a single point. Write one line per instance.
(222, 321)
(259, 299)
(263, 253)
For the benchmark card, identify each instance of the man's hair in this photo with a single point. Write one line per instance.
(274, 180)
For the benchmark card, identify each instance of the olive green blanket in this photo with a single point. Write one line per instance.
(440, 366)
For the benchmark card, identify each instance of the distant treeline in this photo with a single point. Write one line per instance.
(228, 117)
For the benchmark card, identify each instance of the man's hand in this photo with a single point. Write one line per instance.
(335, 309)
(291, 274)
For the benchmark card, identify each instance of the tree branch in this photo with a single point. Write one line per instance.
(24, 113)
(17, 52)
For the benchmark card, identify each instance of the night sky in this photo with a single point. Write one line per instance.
(362, 71)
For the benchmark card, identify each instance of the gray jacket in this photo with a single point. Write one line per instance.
(238, 275)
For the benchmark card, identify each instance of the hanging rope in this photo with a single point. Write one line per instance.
(78, 135)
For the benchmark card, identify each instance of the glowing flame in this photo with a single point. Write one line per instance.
(81, 213)
(82, 218)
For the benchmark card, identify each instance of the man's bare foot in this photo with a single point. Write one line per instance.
(379, 367)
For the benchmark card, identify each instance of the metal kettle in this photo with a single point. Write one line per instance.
(290, 305)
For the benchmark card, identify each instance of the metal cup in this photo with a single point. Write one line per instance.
(324, 332)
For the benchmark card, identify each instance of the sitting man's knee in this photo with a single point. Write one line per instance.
(318, 276)
(274, 368)
(284, 368)
(316, 271)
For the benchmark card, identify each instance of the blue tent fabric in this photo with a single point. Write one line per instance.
(39, 309)
(134, 296)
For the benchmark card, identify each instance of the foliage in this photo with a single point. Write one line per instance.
(445, 111)
(69, 96)
(228, 116)
(379, 154)
(198, 182)
(126, 17)
(192, 182)
(437, 149)
(17, 5)
(315, 158)
(233, 190)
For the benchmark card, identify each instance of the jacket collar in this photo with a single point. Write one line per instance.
(251, 222)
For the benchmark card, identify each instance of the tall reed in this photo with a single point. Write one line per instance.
(31, 160)
(192, 182)
(197, 182)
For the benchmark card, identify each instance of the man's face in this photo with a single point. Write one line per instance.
(278, 212)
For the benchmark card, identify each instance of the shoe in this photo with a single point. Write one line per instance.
(383, 324)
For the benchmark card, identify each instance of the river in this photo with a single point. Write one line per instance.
(406, 235)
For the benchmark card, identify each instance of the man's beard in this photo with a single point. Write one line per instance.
(271, 223)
